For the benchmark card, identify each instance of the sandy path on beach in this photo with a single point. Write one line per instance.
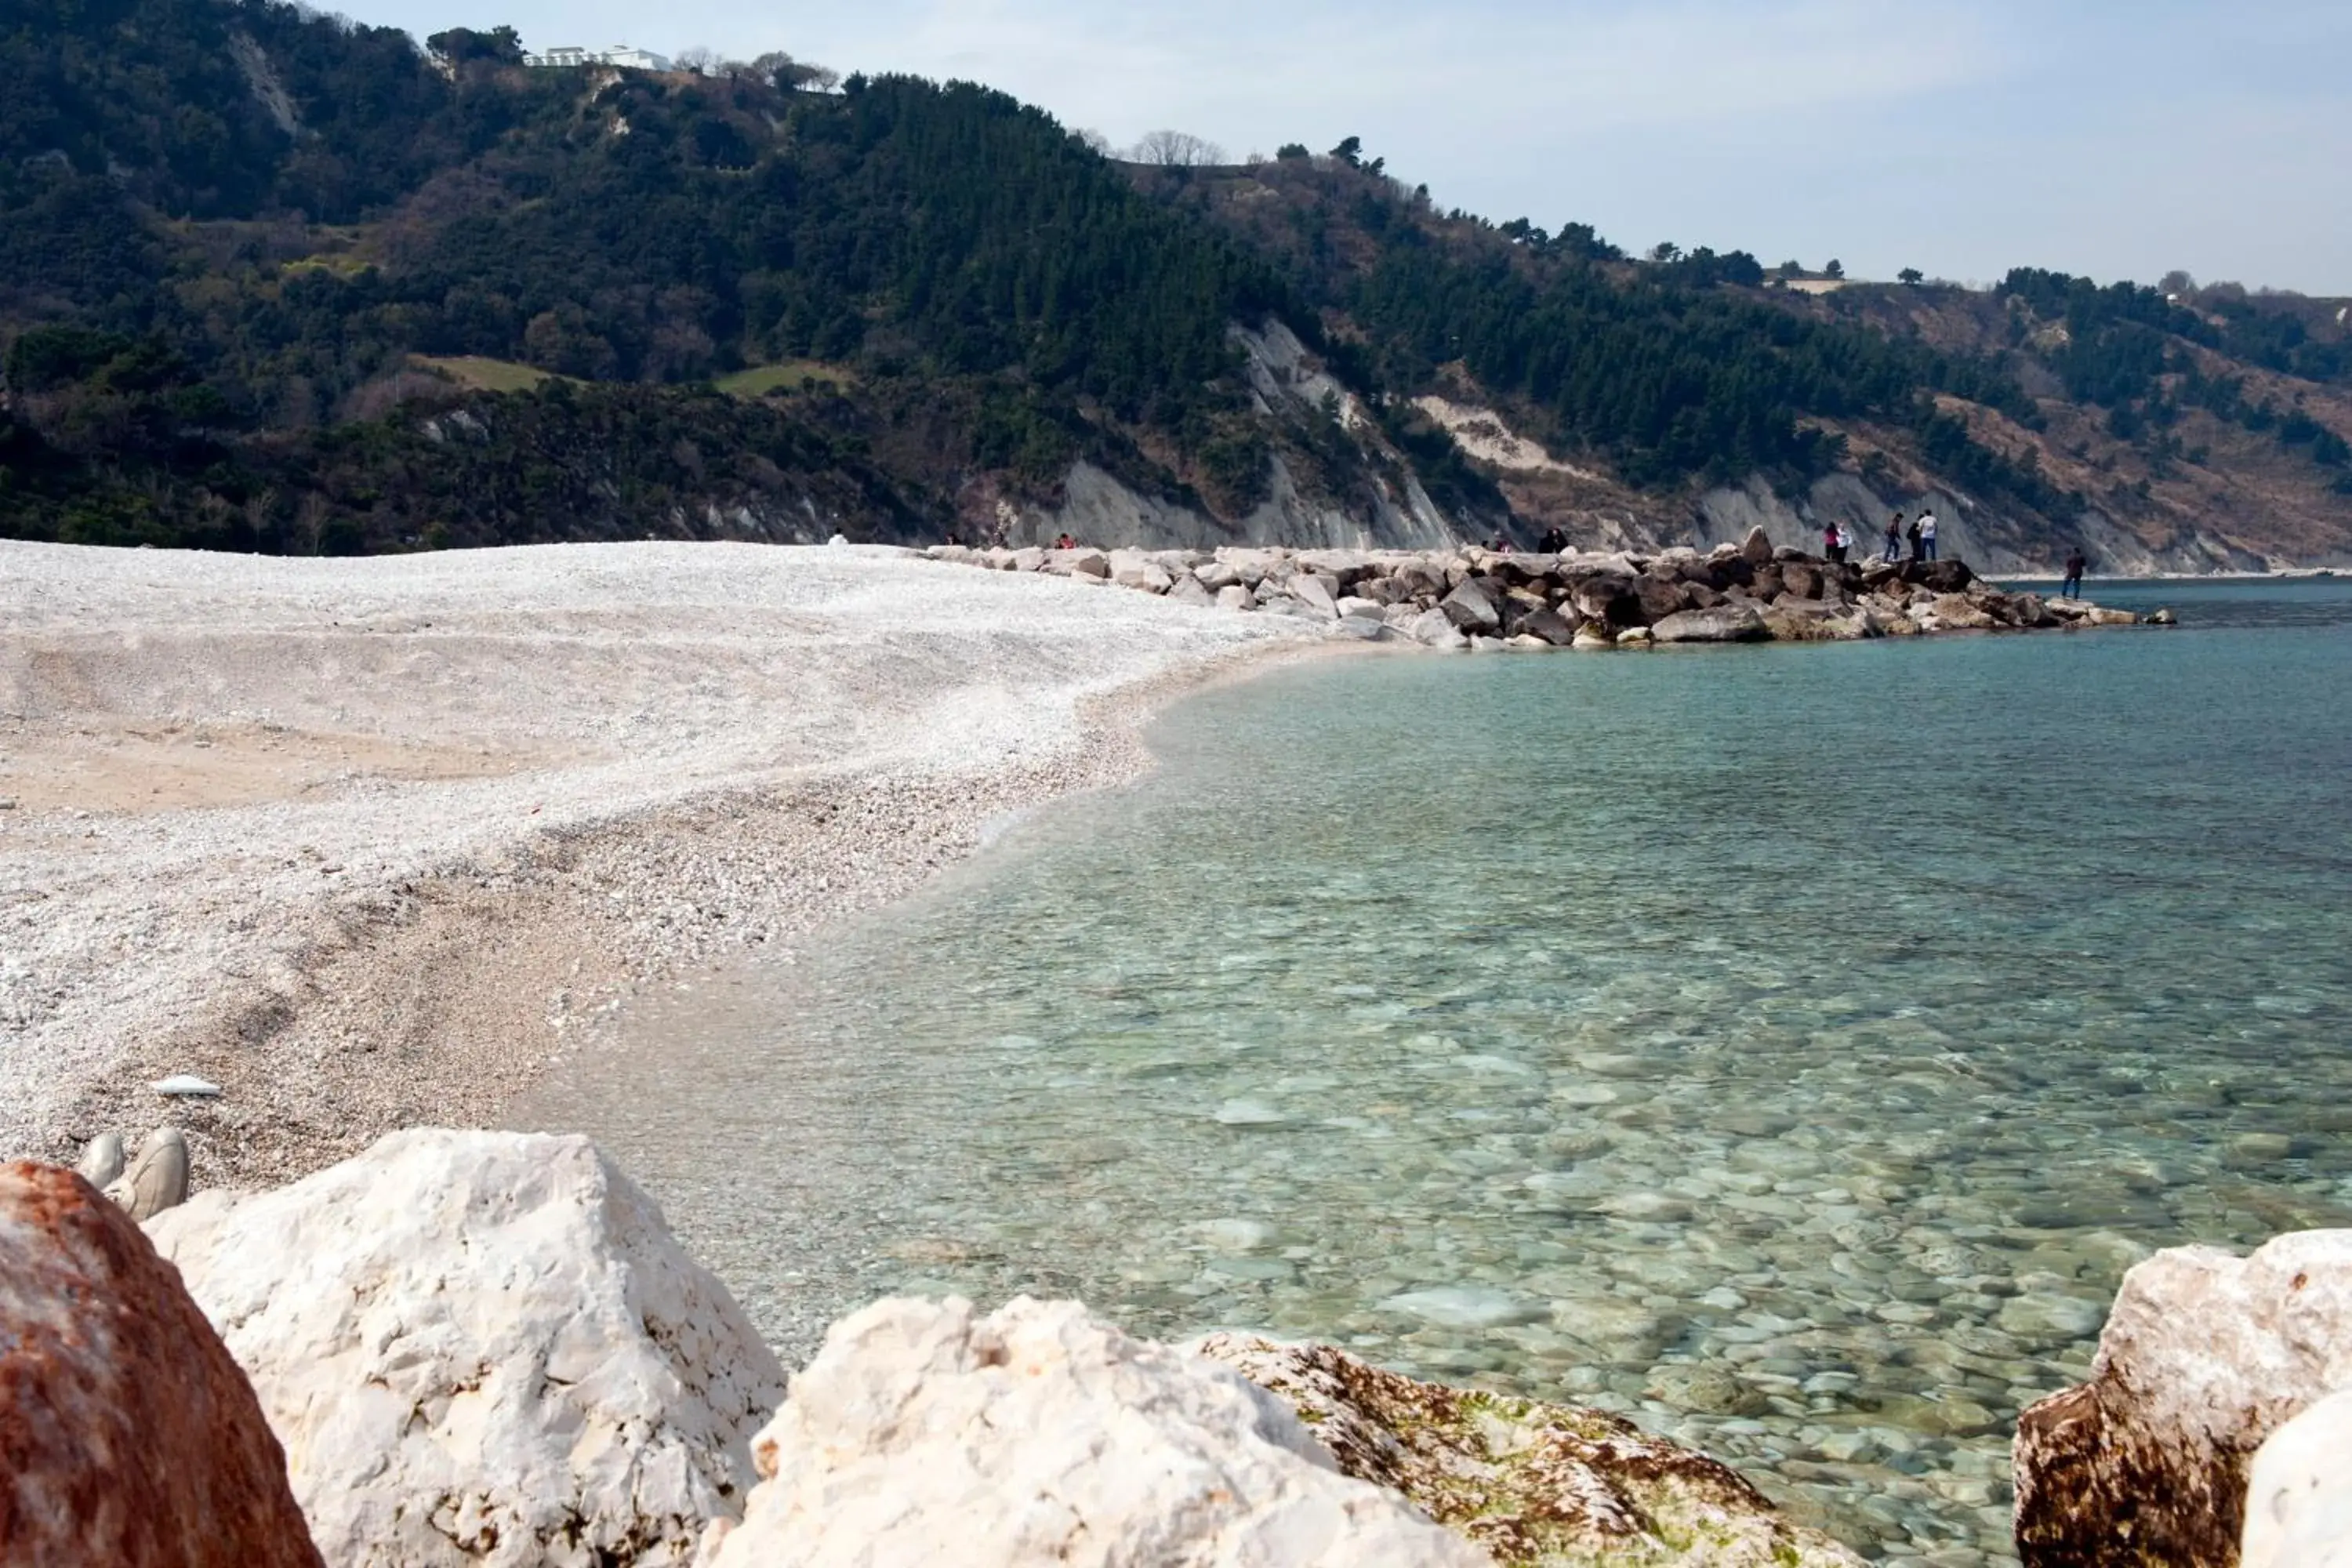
(366, 842)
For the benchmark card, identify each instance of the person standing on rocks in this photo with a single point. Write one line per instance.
(1894, 540)
(1912, 533)
(2075, 564)
(1554, 541)
(1830, 542)
(1926, 536)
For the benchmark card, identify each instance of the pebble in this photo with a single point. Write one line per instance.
(187, 1086)
(1466, 1307)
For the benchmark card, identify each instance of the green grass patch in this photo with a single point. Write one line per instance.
(791, 376)
(480, 375)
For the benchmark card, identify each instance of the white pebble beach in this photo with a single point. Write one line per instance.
(368, 842)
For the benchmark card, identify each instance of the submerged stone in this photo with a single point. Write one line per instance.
(1468, 1307)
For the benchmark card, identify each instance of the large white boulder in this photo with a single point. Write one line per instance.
(483, 1348)
(2299, 1498)
(2205, 1354)
(923, 1433)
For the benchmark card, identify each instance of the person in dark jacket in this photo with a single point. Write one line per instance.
(1894, 540)
(2075, 566)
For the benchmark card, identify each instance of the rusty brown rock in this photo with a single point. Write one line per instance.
(128, 1437)
(2204, 1355)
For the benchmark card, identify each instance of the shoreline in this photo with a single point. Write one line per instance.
(432, 986)
(371, 843)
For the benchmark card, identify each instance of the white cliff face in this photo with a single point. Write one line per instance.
(924, 1433)
(482, 1348)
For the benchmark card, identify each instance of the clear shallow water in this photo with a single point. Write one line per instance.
(1789, 1046)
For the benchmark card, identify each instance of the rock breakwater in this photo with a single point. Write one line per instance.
(1472, 598)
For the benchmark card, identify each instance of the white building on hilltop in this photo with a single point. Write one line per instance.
(619, 55)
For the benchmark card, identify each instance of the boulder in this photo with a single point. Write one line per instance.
(1816, 620)
(1027, 559)
(1949, 576)
(1215, 575)
(1470, 610)
(2100, 615)
(1606, 596)
(1661, 596)
(1956, 612)
(2299, 1497)
(1756, 548)
(1251, 567)
(1234, 596)
(1187, 591)
(1344, 568)
(157, 1176)
(1725, 623)
(1353, 608)
(1635, 636)
(1421, 579)
(1766, 582)
(1592, 636)
(128, 1437)
(1527, 1481)
(1134, 569)
(1550, 625)
(483, 1348)
(1079, 564)
(1317, 591)
(1801, 578)
(2164, 617)
(924, 1433)
(2204, 1356)
(2029, 610)
(1435, 628)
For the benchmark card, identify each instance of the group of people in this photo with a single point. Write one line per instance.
(1836, 542)
(1921, 535)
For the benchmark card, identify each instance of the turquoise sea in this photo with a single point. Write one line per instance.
(1789, 1046)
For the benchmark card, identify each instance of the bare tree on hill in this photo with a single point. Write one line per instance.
(1176, 150)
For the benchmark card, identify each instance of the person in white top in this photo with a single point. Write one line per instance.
(1926, 536)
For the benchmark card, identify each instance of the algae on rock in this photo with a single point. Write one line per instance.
(1536, 1485)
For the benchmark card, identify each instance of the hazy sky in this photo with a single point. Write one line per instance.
(2120, 140)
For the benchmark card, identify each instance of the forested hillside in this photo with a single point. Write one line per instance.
(268, 281)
